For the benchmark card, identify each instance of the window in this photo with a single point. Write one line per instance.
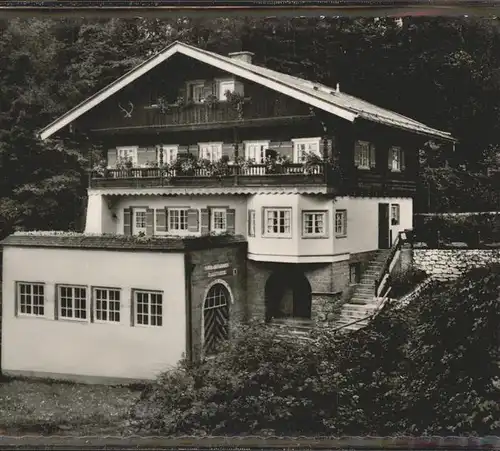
(277, 222)
(303, 146)
(107, 305)
(256, 150)
(211, 151)
(178, 219)
(314, 223)
(218, 220)
(127, 153)
(31, 299)
(139, 221)
(72, 302)
(251, 222)
(354, 273)
(395, 212)
(167, 154)
(341, 223)
(148, 308)
(215, 318)
(395, 159)
(364, 155)
(196, 91)
(228, 85)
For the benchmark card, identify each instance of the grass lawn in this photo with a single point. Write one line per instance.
(61, 408)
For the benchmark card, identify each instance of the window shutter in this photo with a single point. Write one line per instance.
(231, 216)
(192, 218)
(249, 222)
(389, 159)
(345, 222)
(56, 302)
(263, 222)
(372, 156)
(205, 221)
(161, 220)
(127, 221)
(150, 222)
(357, 154)
(403, 164)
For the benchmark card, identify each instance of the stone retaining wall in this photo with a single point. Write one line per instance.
(446, 264)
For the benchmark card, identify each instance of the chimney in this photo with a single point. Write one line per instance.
(246, 57)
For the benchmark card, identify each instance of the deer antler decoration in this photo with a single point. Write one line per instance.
(129, 112)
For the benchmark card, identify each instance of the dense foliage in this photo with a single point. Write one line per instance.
(48, 66)
(428, 368)
(474, 230)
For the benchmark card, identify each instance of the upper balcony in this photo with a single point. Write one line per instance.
(239, 111)
(254, 175)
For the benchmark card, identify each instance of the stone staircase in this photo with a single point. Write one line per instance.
(295, 327)
(363, 302)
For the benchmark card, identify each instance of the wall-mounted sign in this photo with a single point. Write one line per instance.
(217, 270)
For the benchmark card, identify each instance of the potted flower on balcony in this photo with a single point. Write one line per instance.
(125, 164)
(212, 101)
(311, 163)
(221, 168)
(236, 100)
(244, 165)
(186, 165)
(101, 169)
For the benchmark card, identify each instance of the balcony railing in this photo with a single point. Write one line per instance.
(254, 174)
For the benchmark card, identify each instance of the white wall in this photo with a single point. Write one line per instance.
(362, 222)
(110, 225)
(362, 227)
(99, 217)
(46, 345)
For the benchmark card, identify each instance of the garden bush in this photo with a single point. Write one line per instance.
(427, 368)
(471, 229)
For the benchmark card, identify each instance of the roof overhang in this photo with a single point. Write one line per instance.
(197, 54)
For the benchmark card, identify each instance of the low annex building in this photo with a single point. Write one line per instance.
(225, 191)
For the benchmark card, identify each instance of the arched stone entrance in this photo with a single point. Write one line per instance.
(216, 316)
(288, 294)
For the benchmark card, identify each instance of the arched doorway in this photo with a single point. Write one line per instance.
(215, 317)
(288, 295)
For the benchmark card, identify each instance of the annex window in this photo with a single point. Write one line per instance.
(139, 221)
(215, 318)
(340, 223)
(395, 159)
(354, 273)
(256, 150)
(30, 299)
(72, 302)
(196, 91)
(178, 219)
(218, 222)
(277, 222)
(167, 154)
(395, 214)
(148, 308)
(364, 155)
(211, 151)
(106, 305)
(303, 146)
(127, 153)
(314, 223)
(251, 222)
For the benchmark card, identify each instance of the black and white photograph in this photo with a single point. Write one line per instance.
(250, 226)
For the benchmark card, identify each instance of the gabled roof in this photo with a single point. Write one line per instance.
(316, 95)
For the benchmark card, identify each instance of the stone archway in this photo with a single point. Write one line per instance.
(288, 294)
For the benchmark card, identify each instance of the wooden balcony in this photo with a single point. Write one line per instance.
(200, 116)
(251, 175)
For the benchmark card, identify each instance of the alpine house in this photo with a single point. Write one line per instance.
(227, 191)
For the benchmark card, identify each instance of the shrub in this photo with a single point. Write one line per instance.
(403, 281)
(428, 368)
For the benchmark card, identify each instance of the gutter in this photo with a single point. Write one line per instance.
(188, 268)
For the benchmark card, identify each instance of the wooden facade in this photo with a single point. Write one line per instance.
(134, 117)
